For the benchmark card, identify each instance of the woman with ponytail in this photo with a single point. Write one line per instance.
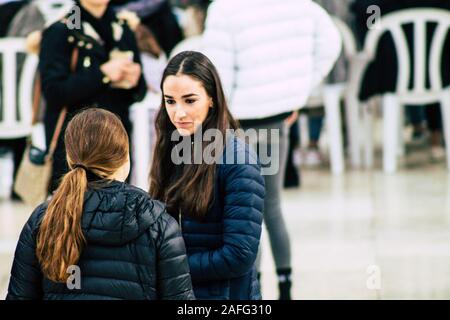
(99, 238)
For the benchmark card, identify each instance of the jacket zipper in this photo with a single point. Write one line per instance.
(179, 220)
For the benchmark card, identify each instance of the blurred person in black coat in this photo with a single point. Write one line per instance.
(108, 72)
(158, 16)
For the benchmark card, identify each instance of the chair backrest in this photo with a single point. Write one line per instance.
(53, 10)
(349, 49)
(348, 39)
(419, 18)
(16, 111)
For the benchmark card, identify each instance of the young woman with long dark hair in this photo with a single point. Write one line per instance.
(218, 203)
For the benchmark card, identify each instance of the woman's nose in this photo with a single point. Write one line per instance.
(179, 112)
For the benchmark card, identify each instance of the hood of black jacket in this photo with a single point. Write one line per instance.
(118, 213)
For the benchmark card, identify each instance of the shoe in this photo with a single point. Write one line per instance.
(15, 197)
(284, 283)
(437, 153)
(297, 157)
(285, 290)
(313, 158)
(292, 181)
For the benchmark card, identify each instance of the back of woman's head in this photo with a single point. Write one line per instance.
(96, 141)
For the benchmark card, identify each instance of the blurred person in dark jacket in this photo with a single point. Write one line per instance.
(157, 15)
(108, 71)
(218, 202)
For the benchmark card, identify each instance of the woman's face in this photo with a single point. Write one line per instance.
(186, 102)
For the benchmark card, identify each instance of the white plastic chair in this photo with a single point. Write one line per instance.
(15, 118)
(330, 96)
(53, 10)
(419, 94)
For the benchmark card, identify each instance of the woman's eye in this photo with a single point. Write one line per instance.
(170, 101)
(190, 101)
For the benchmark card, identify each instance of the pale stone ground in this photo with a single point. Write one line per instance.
(345, 232)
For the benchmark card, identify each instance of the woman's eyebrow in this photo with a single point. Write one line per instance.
(185, 96)
(189, 95)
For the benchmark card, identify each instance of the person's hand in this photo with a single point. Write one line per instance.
(132, 74)
(114, 69)
(291, 119)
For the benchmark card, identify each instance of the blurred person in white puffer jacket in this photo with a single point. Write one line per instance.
(270, 54)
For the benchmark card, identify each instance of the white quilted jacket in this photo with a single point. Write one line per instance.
(269, 53)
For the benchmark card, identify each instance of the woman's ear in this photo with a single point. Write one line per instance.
(211, 103)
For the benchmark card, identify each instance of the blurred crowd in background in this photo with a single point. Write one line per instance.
(169, 27)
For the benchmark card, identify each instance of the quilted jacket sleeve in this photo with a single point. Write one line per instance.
(26, 276)
(174, 280)
(244, 193)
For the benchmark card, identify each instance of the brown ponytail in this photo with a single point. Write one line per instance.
(96, 140)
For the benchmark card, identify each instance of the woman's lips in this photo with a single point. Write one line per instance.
(184, 124)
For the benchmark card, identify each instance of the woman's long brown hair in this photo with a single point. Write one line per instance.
(192, 192)
(94, 139)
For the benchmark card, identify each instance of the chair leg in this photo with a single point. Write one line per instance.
(391, 114)
(333, 118)
(445, 107)
(401, 151)
(368, 136)
(141, 144)
(352, 118)
(304, 131)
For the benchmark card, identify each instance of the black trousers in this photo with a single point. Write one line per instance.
(292, 173)
(17, 146)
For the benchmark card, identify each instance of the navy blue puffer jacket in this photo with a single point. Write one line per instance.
(222, 248)
(134, 251)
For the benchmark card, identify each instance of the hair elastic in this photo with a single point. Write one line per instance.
(78, 165)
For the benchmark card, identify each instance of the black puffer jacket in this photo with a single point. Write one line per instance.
(134, 251)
